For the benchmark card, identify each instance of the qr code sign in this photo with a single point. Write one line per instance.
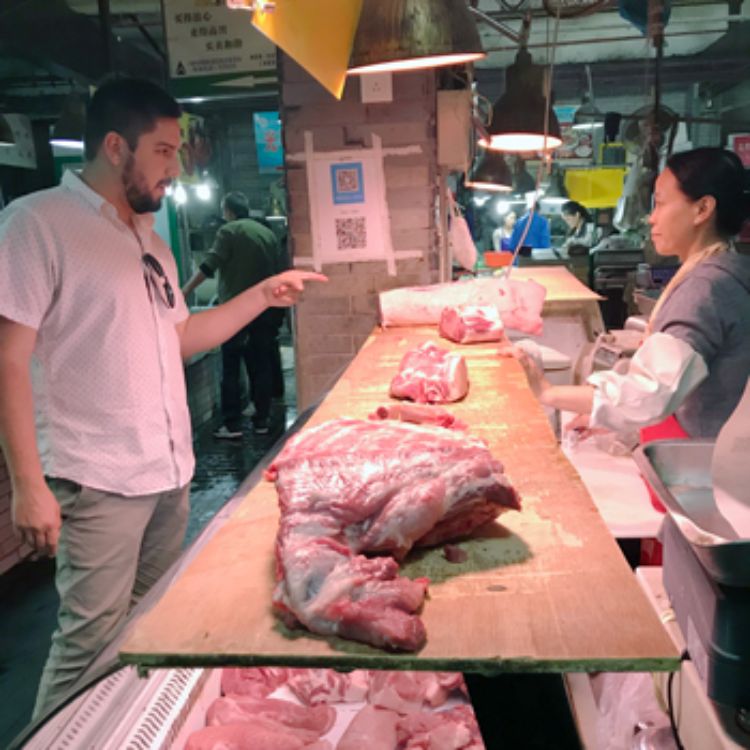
(351, 233)
(347, 180)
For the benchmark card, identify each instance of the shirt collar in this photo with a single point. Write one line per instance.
(72, 180)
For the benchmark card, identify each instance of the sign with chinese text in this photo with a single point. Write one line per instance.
(268, 146)
(212, 49)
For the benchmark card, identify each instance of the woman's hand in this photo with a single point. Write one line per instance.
(285, 289)
(534, 374)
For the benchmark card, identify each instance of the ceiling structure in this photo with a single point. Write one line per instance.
(48, 47)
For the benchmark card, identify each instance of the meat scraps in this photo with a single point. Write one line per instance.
(431, 375)
(418, 414)
(467, 324)
(348, 487)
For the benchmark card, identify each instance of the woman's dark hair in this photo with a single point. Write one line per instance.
(128, 106)
(237, 203)
(719, 173)
(574, 207)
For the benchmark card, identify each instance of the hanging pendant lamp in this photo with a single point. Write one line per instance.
(588, 116)
(490, 172)
(398, 35)
(6, 133)
(518, 116)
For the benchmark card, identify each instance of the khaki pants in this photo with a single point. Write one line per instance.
(112, 549)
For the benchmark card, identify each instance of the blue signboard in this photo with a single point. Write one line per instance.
(268, 141)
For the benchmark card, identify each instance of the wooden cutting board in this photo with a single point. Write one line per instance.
(544, 589)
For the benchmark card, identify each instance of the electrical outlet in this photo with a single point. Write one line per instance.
(376, 87)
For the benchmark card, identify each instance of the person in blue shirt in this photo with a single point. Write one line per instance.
(538, 234)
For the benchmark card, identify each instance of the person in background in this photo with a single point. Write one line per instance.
(501, 236)
(581, 235)
(538, 234)
(89, 290)
(690, 372)
(244, 253)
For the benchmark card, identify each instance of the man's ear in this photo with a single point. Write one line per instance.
(114, 148)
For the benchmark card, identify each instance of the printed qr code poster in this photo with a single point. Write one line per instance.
(348, 183)
(349, 213)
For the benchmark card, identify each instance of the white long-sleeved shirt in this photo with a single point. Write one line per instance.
(657, 379)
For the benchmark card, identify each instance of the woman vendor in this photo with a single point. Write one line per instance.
(691, 370)
(581, 231)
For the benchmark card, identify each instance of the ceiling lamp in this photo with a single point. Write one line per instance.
(490, 172)
(6, 133)
(588, 116)
(68, 131)
(398, 35)
(521, 113)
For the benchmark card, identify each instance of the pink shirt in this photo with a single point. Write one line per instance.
(109, 388)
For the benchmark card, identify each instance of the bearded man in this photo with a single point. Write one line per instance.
(91, 292)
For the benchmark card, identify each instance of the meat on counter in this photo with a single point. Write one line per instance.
(469, 324)
(431, 375)
(348, 487)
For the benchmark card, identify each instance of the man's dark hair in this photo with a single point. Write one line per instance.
(128, 106)
(238, 204)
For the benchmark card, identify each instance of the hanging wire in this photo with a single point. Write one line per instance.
(540, 168)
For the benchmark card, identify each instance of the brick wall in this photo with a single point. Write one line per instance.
(334, 319)
(202, 378)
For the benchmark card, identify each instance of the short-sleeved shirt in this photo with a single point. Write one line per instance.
(109, 385)
(244, 253)
(710, 311)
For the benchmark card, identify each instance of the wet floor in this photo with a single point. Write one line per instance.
(28, 600)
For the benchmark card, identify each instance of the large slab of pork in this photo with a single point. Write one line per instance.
(431, 375)
(348, 487)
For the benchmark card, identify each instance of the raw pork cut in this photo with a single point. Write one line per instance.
(256, 681)
(351, 486)
(315, 686)
(235, 709)
(372, 728)
(431, 375)
(519, 302)
(468, 324)
(250, 736)
(456, 729)
(411, 691)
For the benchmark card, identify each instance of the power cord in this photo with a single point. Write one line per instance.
(670, 704)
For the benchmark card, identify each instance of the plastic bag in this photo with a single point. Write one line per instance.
(462, 247)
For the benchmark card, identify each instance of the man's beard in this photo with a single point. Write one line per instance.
(138, 197)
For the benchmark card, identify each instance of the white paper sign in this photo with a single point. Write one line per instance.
(348, 206)
(205, 38)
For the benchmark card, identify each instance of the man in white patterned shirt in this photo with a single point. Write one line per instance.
(91, 292)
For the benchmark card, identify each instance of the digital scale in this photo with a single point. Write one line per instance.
(706, 574)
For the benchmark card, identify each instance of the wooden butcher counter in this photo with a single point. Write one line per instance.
(543, 590)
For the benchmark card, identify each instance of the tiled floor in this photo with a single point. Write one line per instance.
(28, 600)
